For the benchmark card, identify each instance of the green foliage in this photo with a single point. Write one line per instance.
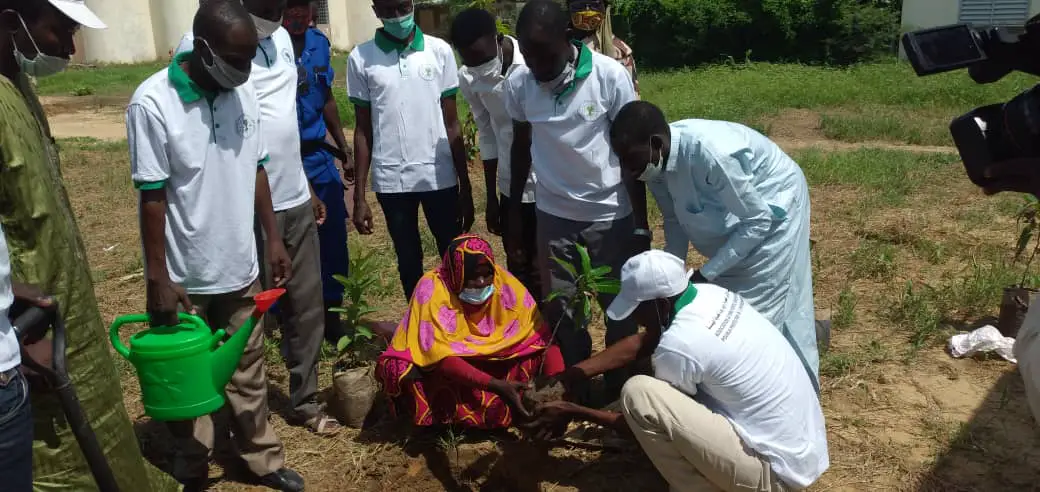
(357, 347)
(470, 137)
(589, 283)
(1027, 219)
(677, 33)
(504, 17)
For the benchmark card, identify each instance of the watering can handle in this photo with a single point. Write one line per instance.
(132, 319)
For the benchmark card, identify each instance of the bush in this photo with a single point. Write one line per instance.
(677, 33)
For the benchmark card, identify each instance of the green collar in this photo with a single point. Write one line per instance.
(582, 69)
(388, 44)
(186, 88)
(685, 299)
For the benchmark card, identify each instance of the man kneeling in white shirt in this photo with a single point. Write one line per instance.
(729, 406)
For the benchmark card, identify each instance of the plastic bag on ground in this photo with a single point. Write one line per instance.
(985, 339)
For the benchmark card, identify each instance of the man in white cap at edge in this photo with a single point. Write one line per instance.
(729, 407)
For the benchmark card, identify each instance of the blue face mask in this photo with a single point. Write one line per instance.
(400, 27)
(477, 297)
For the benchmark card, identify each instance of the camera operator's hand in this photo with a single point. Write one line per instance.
(1021, 175)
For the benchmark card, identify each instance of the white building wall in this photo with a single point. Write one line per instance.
(170, 20)
(129, 36)
(146, 30)
(351, 22)
(922, 14)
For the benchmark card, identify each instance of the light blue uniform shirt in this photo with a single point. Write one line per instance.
(743, 204)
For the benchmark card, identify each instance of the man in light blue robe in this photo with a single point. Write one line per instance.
(742, 203)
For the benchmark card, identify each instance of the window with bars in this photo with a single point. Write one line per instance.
(988, 13)
(321, 17)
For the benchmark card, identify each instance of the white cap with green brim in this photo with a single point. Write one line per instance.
(650, 275)
(78, 11)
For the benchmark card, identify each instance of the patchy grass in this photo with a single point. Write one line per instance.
(906, 251)
(108, 80)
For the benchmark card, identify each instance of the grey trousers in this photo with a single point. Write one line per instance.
(609, 243)
(254, 438)
(302, 309)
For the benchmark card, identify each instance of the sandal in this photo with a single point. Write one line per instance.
(323, 425)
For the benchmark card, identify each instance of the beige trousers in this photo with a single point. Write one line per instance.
(694, 448)
(254, 437)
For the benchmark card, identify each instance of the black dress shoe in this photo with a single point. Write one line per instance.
(284, 480)
(195, 484)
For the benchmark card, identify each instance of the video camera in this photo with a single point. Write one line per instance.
(996, 132)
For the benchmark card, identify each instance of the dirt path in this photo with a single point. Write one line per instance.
(103, 119)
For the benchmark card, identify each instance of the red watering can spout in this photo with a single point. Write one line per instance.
(266, 299)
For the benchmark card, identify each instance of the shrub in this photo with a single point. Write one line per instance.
(677, 33)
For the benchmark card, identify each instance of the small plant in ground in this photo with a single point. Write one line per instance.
(846, 314)
(589, 283)
(356, 348)
(1028, 220)
(83, 91)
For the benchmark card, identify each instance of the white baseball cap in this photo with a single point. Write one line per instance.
(650, 275)
(78, 11)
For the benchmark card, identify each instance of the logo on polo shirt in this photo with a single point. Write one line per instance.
(245, 126)
(288, 57)
(426, 72)
(590, 110)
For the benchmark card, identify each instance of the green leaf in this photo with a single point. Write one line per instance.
(343, 343)
(337, 310)
(1023, 240)
(341, 279)
(608, 286)
(363, 331)
(599, 271)
(586, 261)
(554, 295)
(566, 266)
(587, 310)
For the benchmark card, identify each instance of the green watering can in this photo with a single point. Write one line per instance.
(184, 368)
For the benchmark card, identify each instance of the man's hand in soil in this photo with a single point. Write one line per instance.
(510, 392)
(163, 296)
(551, 419)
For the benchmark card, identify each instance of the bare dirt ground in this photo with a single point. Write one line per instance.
(922, 422)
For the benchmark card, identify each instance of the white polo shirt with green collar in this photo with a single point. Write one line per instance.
(274, 76)
(579, 176)
(204, 149)
(403, 84)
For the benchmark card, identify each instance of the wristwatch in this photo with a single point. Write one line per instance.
(644, 232)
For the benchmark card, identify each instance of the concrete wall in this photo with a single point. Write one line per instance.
(129, 36)
(170, 20)
(351, 22)
(146, 30)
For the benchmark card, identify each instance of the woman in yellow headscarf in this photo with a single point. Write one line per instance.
(590, 24)
(470, 341)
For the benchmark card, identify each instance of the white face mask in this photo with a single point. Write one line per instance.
(564, 79)
(42, 65)
(477, 297)
(653, 170)
(223, 74)
(265, 28)
(490, 71)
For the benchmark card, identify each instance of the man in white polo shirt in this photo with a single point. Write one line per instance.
(197, 154)
(563, 101)
(403, 83)
(302, 309)
(487, 59)
(729, 407)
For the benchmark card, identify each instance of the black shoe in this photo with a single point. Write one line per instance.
(195, 484)
(284, 479)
